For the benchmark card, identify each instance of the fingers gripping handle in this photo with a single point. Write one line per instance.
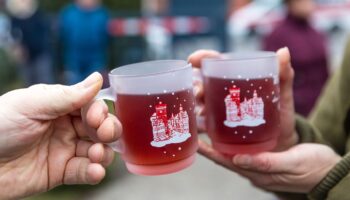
(197, 80)
(105, 94)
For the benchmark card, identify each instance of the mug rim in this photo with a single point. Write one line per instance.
(147, 74)
(242, 56)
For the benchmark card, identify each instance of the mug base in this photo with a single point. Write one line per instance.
(233, 149)
(155, 170)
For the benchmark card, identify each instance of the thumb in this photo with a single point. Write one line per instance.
(267, 162)
(52, 101)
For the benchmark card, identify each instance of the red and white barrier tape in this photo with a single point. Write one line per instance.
(174, 25)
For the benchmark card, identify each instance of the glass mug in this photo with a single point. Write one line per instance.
(155, 104)
(242, 101)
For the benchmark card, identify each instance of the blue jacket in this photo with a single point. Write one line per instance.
(84, 33)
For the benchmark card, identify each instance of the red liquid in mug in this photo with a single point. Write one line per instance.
(157, 128)
(242, 111)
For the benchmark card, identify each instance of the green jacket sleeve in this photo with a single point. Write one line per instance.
(330, 113)
(328, 125)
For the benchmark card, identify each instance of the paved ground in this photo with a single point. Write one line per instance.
(203, 181)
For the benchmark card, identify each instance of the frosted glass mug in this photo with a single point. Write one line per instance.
(155, 104)
(242, 101)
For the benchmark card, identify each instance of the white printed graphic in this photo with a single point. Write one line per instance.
(247, 113)
(169, 131)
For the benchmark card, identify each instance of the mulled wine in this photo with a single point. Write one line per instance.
(242, 114)
(158, 129)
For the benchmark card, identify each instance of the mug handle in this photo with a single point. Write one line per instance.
(104, 94)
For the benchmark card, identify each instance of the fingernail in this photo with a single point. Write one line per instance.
(243, 161)
(282, 49)
(117, 130)
(286, 49)
(91, 80)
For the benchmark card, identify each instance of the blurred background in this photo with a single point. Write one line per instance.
(45, 41)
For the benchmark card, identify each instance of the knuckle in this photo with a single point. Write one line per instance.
(39, 87)
(80, 175)
(64, 91)
(263, 164)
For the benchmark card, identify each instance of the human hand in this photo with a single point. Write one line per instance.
(43, 142)
(298, 169)
(288, 136)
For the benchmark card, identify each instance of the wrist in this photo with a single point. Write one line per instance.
(334, 175)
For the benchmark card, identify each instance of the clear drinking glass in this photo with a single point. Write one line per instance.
(242, 101)
(154, 102)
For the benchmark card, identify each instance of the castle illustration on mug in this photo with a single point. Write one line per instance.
(249, 113)
(171, 130)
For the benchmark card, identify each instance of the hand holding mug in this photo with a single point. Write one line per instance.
(288, 136)
(43, 143)
(298, 169)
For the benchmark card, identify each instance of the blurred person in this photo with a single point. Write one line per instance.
(5, 29)
(308, 49)
(8, 72)
(44, 142)
(8, 49)
(151, 8)
(235, 5)
(312, 157)
(84, 34)
(31, 29)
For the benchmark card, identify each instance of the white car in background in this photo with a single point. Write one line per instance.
(247, 24)
(332, 15)
(260, 16)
